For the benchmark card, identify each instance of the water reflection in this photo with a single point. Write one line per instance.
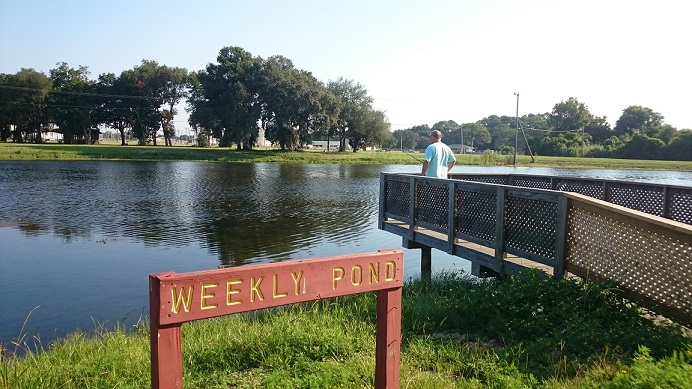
(240, 212)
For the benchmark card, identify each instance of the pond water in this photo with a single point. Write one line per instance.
(79, 239)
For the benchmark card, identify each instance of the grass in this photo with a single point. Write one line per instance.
(23, 151)
(457, 332)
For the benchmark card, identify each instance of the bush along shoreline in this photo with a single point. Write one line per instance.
(458, 331)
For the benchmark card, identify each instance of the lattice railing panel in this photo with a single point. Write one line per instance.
(643, 198)
(536, 182)
(531, 226)
(433, 205)
(587, 188)
(397, 198)
(680, 205)
(498, 180)
(650, 263)
(639, 196)
(476, 213)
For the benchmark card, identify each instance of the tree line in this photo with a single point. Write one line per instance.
(234, 98)
(569, 130)
(230, 100)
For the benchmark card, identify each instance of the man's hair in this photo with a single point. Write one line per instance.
(436, 134)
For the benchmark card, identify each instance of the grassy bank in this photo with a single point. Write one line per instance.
(458, 332)
(18, 151)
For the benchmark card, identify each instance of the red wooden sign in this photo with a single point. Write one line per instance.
(178, 298)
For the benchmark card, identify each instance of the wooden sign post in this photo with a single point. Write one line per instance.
(178, 298)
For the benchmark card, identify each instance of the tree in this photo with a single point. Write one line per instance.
(328, 115)
(599, 129)
(72, 103)
(5, 106)
(404, 139)
(562, 145)
(501, 129)
(114, 107)
(145, 85)
(447, 128)
(611, 145)
(664, 132)
(353, 101)
(570, 115)
(224, 101)
(451, 132)
(175, 88)
(680, 146)
(369, 128)
(27, 91)
(475, 133)
(641, 146)
(292, 104)
(639, 118)
(536, 127)
(423, 132)
(203, 119)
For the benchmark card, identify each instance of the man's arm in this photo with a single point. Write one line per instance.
(425, 167)
(451, 165)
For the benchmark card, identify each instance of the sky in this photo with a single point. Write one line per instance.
(422, 61)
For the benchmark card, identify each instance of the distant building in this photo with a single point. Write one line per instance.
(50, 135)
(456, 147)
(322, 145)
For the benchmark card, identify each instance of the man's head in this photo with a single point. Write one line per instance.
(435, 136)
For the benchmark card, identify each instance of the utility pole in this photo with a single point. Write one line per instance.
(461, 128)
(516, 131)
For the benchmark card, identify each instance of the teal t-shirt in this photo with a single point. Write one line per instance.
(438, 156)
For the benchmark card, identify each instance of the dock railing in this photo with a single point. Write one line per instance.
(507, 228)
(668, 201)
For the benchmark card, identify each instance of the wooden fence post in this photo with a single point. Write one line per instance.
(388, 348)
(166, 344)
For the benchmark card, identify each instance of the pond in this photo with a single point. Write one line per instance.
(79, 239)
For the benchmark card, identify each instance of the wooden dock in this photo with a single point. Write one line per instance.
(503, 229)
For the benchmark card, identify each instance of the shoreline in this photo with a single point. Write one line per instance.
(60, 152)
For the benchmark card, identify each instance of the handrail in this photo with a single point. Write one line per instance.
(668, 201)
(491, 225)
(531, 220)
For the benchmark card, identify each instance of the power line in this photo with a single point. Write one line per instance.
(544, 130)
(22, 88)
(59, 105)
(70, 106)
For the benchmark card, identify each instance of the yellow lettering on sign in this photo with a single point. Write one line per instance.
(230, 292)
(337, 275)
(205, 296)
(276, 288)
(374, 272)
(356, 275)
(296, 280)
(255, 289)
(184, 299)
(389, 270)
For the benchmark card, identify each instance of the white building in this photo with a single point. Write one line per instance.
(322, 145)
(457, 148)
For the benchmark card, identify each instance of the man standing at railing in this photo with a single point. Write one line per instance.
(439, 158)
